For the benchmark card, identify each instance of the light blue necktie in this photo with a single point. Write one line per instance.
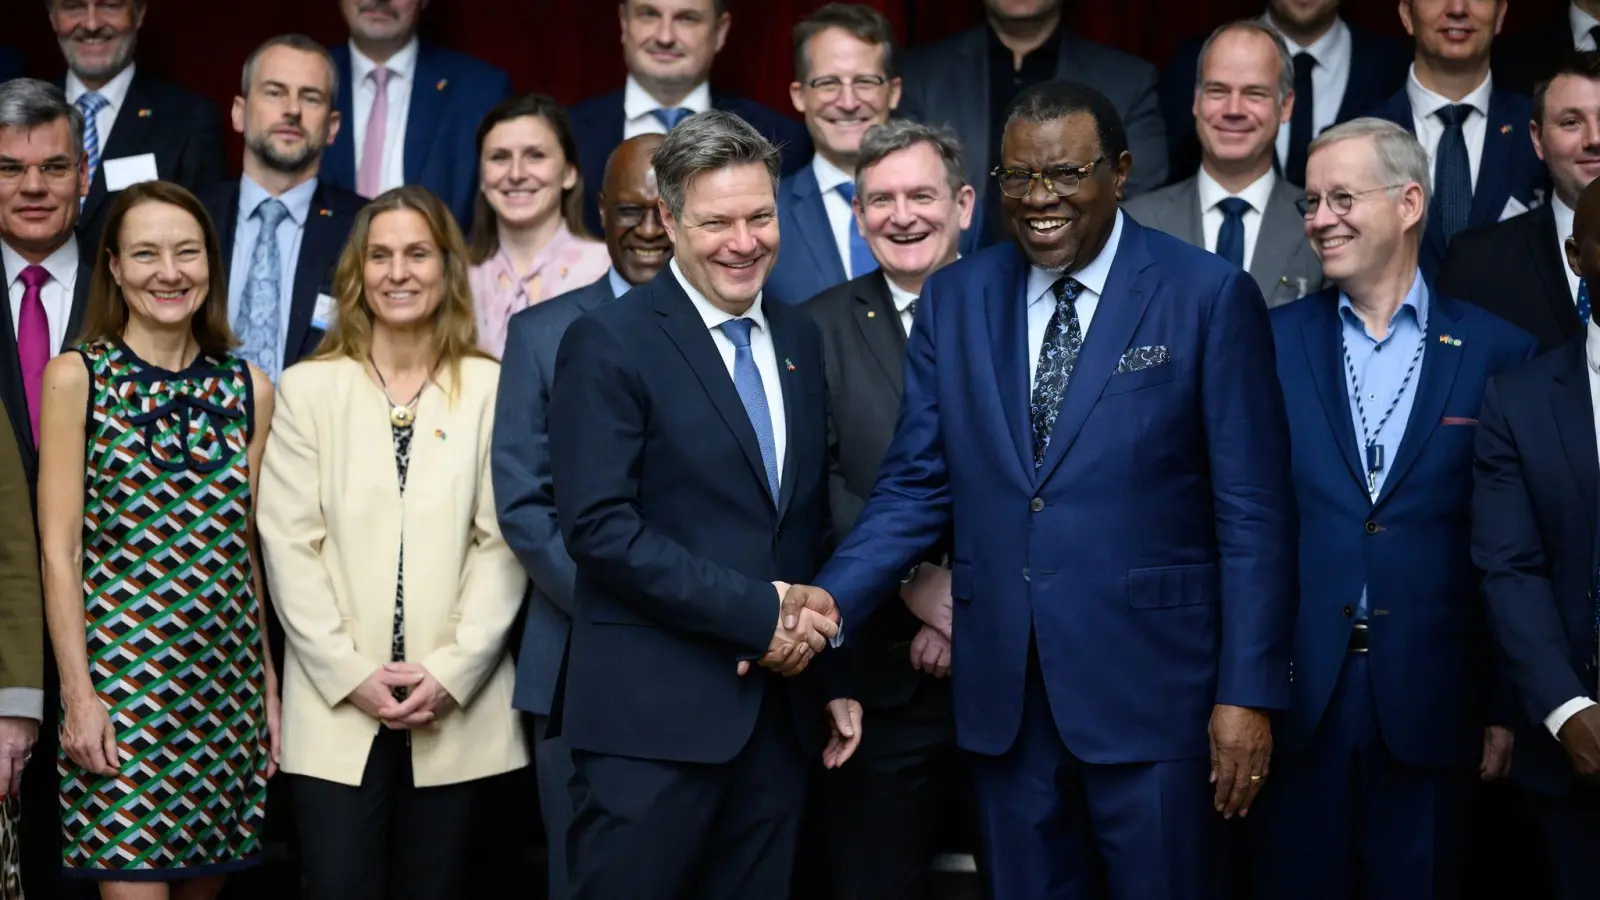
(258, 319)
(90, 105)
(669, 118)
(747, 379)
(1583, 296)
(1230, 237)
(861, 261)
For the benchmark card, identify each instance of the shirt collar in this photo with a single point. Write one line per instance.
(829, 176)
(297, 199)
(1424, 103)
(1324, 48)
(115, 91)
(1564, 216)
(637, 102)
(62, 264)
(1092, 277)
(401, 65)
(1580, 21)
(619, 285)
(1416, 301)
(711, 315)
(902, 298)
(1257, 193)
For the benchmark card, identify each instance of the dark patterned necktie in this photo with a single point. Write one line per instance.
(1452, 173)
(1063, 338)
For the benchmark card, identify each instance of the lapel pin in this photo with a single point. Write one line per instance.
(444, 81)
(1447, 339)
(872, 314)
(438, 434)
(788, 363)
(325, 212)
(1505, 129)
(145, 113)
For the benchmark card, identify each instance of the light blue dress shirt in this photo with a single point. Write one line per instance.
(619, 285)
(298, 201)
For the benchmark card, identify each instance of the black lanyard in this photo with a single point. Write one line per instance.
(1369, 439)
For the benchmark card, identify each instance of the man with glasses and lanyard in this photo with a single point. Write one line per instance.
(1393, 705)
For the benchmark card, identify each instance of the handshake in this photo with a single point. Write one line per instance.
(807, 621)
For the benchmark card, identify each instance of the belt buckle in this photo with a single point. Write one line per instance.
(1358, 639)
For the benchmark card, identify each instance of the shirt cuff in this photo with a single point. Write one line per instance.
(837, 640)
(1565, 711)
(22, 703)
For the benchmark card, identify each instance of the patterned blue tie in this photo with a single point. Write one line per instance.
(90, 105)
(861, 260)
(1583, 295)
(1063, 339)
(258, 318)
(747, 379)
(1230, 237)
(1452, 173)
(669, 118)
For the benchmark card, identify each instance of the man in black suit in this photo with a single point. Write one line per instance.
(668, 46)
(688, 432)
(1340, 72)
(878, 816)
(523, 489)
(281, 228)
(137, 128)
(1516, 268)
(1523, 60)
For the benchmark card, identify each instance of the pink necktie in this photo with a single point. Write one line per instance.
(369, 180)
(33, 341)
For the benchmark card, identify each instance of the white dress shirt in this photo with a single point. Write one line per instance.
(115, 93)
(1564, 216)
(902, 303)
(1424, 103)
(638, 106)
(841, 218)
(761, 349)
(57, 293)
(1329, 78)
(1582, 23)
(1559, 716)
(1042, 303)
(402, 78)
(1257, 193)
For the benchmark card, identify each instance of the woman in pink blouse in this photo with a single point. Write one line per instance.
(528, 239)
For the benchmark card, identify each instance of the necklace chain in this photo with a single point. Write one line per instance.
(401, 416)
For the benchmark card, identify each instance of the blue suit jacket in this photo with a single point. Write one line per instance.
(11, 64)
(1430, 655)
(1152, 554)
(808, 258)
(1509, 167)
(525, 493)
(597, 127)
(1534, 510)
(452, 94)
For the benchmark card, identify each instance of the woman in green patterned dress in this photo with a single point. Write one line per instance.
(152, 437)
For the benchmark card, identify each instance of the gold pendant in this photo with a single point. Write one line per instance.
(401, 416)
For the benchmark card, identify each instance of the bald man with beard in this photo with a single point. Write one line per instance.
(521, 459)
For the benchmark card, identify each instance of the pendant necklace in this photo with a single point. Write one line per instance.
(401, 415)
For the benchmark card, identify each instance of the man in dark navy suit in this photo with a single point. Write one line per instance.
(1389, 718)
(1537, 489)
(523, 488)
(668, 46)
(688, 433)
(410, 109)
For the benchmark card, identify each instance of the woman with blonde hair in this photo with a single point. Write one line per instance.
(394, 586)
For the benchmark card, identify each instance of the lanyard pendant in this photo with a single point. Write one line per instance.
(1374, 466)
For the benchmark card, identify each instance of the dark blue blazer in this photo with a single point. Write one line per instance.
(1430, 656)
(524, 492)
(664, 506)
(1509, 167)
(1152, 554)
(452, 94)
(808, 257)
(1534, 508)
(597, 127)
(11, 64)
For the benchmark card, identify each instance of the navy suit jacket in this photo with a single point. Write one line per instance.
(451, 95)
(1151, 555)
(808, 257)
(665, 508)
(333, 213)
(597, 127)
(11, 64)
(1509, 168)
(1430, 653)
(1534, 508)
(525, 493)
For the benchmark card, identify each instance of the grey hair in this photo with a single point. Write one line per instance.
(29, 103)
(903, 134)
(705, 142)
(1285, 60)
(1399, 157)
(294, 42)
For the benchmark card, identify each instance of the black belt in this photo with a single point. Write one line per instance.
(1358, 639)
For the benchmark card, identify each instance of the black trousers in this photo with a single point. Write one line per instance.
(1571, 828)
(387, 839)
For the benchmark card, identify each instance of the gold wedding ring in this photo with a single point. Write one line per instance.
(1255, 778)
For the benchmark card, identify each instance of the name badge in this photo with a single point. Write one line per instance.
(129, 170)
(322, 313)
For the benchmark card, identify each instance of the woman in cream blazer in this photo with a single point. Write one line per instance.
(387, 567)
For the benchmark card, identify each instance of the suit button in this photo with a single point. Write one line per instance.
(1347, 612)
(1372, 528)
(1037, 504)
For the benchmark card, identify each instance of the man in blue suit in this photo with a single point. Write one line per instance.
(1536, 490)
(844, 84)
(411, 109)
(523, 489)
(668, 46)
(1484, 165)
(1093, 410)
(1382, 378)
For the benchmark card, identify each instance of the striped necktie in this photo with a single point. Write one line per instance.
(90, 104)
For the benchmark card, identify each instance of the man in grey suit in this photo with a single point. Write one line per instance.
(524, 492)
(1237, 206)
(968, 82)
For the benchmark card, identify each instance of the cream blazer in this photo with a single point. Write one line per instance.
(331, 518)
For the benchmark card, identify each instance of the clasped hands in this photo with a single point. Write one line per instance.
(807, 621)
(17, 736)
(425, 703)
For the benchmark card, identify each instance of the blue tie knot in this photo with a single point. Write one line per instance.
(847, 190)
(1234, 207)
(1455, 115)
(1066, 290)
(670, 117)
(738, 331)
(272, 212)
(91, 103)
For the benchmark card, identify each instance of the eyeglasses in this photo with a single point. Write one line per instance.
(1339, 201)
(1063, 181)
(829, 86)
(633, 216)
(54, 170)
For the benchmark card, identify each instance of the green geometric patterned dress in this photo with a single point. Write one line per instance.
(172, 624)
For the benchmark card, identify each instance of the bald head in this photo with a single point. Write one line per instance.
(628, 209)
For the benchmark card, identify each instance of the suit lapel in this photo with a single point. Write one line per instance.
(1190, 214)
(1542, 242)
(1440, 362)
(1282, 231)
(1574, 414)
(1325, 357)
(130, 135)
(80, 297)
(815, 232)
(785, 349)
(878, 321)
(1492, 190)
(11, 391)
(319, 247)
(428, 96)
(970, 112)
(1006, 296)
(339, 163)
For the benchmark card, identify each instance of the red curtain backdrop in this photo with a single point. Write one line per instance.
(569, 48)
